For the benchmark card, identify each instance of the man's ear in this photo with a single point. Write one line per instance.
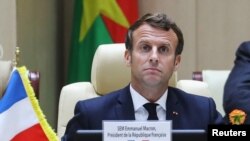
(177, 62)
(127, 57)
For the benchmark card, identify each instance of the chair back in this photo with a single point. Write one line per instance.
(5, 71)
(194, 87)
(216, 80)
(109, 71)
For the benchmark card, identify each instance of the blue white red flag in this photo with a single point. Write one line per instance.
(21, 118)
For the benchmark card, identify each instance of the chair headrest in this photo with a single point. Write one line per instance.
(109, 71)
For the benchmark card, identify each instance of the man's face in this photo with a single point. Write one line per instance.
(152, 59)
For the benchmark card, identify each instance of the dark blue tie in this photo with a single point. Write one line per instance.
(151, 108)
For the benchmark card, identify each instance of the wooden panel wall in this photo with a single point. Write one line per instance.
(212, 30)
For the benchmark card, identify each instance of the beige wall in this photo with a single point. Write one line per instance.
(212, 31)
(221, 26)
(7, 29)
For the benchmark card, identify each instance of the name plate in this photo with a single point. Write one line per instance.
(137, 130)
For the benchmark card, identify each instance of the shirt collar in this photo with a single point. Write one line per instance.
(139, 100)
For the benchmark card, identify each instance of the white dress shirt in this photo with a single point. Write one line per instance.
(140, 112)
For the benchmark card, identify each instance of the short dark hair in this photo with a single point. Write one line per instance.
(158, 20)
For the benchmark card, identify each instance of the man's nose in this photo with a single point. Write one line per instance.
(154, 58)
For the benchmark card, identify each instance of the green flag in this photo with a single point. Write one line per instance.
(97, 22)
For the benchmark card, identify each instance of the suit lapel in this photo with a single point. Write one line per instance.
(124, 107)
(173, 106)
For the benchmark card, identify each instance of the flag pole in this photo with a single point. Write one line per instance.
(16, 58)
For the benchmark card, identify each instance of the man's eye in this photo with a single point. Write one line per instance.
(163, 49)
(145, 48)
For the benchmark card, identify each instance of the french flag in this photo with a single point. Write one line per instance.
(21, 118)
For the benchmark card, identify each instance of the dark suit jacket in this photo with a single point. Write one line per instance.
(237, 87)
(194, 112)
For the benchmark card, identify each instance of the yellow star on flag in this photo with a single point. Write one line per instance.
(93, 8)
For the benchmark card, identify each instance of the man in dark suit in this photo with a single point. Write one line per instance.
(153, 52)
(237, 88)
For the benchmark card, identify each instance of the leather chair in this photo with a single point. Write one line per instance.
(34, 77)
(216, 80)
(109, 72)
